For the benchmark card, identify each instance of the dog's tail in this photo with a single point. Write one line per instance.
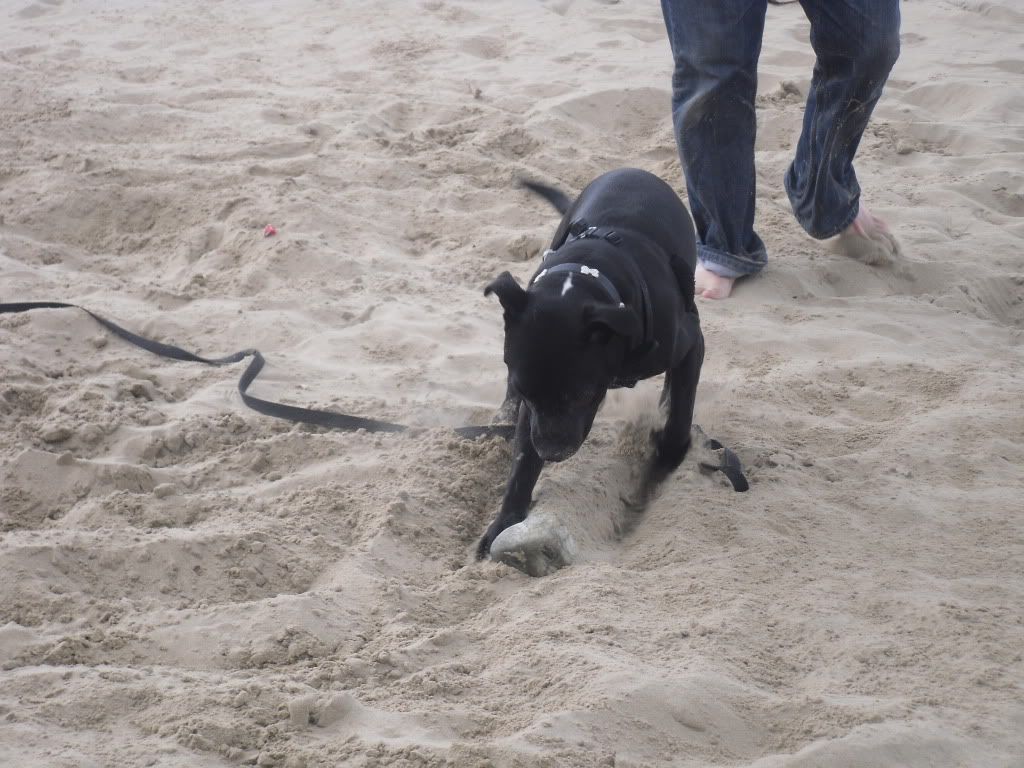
(556, 197)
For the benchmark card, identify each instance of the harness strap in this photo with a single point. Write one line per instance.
(583, 269)
(580, 229)
(647, 309)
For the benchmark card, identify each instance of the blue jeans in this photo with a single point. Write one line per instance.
(716, 44)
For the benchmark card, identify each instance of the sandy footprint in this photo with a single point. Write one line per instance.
(127, 45)
(15, 54)
(626, 113)
(1001, 192)
(1000, 298)
(643, 30)
(561, 7)
(35, 10)
(998, 12)
(484, 47)
(204, 241)
(281, 117)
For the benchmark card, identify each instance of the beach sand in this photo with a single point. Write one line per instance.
(184, 582)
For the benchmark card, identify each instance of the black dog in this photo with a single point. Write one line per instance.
(612, 303)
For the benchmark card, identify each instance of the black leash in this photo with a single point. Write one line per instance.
(329, 419)
(730, 466)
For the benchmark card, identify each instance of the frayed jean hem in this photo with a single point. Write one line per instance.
(729, 265)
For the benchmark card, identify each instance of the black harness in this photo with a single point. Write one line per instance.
(581, 230)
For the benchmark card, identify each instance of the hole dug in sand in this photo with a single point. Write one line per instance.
(586, 505)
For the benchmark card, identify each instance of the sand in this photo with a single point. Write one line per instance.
(184, 582)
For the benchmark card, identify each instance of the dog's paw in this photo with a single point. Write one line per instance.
(483, 547)
(668, 453)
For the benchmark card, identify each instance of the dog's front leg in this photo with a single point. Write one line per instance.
(672, 442)
(526, 466)
(509, 407)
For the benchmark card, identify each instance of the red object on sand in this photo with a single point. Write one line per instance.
(269, 231)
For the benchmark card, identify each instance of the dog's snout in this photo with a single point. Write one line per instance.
(555, 442)
(555, 453)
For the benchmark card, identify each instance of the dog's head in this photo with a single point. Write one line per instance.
(563, 349)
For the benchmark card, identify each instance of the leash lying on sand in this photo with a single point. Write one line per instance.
(730, 464)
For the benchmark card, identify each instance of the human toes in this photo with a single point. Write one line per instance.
(868, 240)
(711, 286)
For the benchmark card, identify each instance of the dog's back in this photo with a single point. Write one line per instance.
(631, 199)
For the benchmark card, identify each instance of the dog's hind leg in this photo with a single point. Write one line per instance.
(672, 442)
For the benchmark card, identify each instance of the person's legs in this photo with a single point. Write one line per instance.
(857, 43)
(715, 46)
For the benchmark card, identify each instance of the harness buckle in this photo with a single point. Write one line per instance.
(578, 227)
(580, 230)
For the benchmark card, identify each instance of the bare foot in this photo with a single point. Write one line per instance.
(711, 286)
(868, 240)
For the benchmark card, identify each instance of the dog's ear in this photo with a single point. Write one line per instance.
(603, 321)
(510, 294)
